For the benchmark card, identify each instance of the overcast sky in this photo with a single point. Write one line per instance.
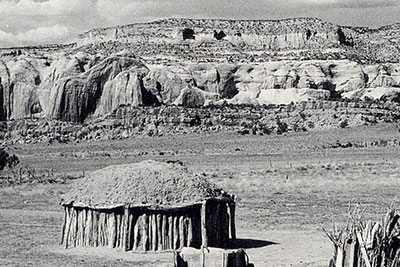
(24, 22)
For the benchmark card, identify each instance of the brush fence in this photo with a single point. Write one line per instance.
(147, 228)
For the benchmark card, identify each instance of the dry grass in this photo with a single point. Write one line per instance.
(289, 187)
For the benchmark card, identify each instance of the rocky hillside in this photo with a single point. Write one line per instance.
(196, 63)
(209, 40)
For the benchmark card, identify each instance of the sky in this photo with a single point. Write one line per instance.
(32, 22)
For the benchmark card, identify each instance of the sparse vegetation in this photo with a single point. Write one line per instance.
(7, 160)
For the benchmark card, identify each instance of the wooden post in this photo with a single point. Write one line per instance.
(105, 229)
(154, 232)
(339, 257)
(159, 232)
(79, 215)
(363, 250)
(171, 232)
(117, 230)
(145, 232)
(136, 236)
(164, 232)
(63, 226)
(126, 232)
(75, 228)
(89, 227)
(181, 232)
(83, 225)
(113, 230)
(68, 225)
(96, 221)
(350, 251)
(203, 215)
(232, 207)
(224, 225)
(189, 231)
(217, 224)
(176, 232)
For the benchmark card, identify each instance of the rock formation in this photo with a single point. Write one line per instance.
(196, 63)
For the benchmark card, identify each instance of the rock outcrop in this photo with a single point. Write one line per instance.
(245, 40)
(195, 62)
(75, 87)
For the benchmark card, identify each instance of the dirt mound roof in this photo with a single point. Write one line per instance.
(143, 183)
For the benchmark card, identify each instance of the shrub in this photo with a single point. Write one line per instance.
(282, 127)
(7, 160)
(344, 124)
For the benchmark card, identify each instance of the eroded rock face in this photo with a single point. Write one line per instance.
(76, 97)
(21, 95)
(125, 89)
(75, 87)
(166, 83)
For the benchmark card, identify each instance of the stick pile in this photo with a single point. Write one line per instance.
(367, 244)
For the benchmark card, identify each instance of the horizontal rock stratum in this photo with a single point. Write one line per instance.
(197, 62)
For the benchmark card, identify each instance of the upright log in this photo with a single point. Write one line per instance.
(164, 232)
(203, 214)
(68, 229)
(217, 224)
(350, 254)
(96, 228)
(105, 229)
(75, 228)
(118, 231)
(189, 232)
(154, 232)
(89, 227)
(63, 226)
(83, 225)
(232, 207)
(79, 214)
(176, 232)
(113, 230)
(159, 232)
(145, 232)
(121, 231)
(170, 232)
(181, 232)
(126, 231)
(136, 236)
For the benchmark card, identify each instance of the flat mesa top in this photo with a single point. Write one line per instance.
(147, 183)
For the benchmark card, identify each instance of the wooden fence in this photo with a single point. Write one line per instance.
(209, 223)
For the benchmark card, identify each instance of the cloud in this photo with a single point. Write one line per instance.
(142, 10)
(350, 3)
(40, 35)
(44, 8)
(20, 17)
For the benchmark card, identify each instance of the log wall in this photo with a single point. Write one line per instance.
(131, 229)
(141, 229)
(217, 224)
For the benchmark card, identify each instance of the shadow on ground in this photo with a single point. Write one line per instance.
(249, 243)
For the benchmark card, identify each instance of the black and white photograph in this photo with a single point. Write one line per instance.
(200, 133)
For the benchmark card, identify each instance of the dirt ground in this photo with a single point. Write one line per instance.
(289, 187)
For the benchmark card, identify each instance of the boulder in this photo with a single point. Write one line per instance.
(21, 97)
(191, 98)
(166, 83)
(125, 89)
(76, 97)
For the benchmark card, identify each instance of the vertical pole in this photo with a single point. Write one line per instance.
(126, 232)
(145, 232)
(203, 215)
(63, 226)
(232, 207)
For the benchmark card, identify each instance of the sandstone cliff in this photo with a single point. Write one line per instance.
(196, 63)
(76, 87)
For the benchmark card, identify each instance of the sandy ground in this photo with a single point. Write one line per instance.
(288, 187)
